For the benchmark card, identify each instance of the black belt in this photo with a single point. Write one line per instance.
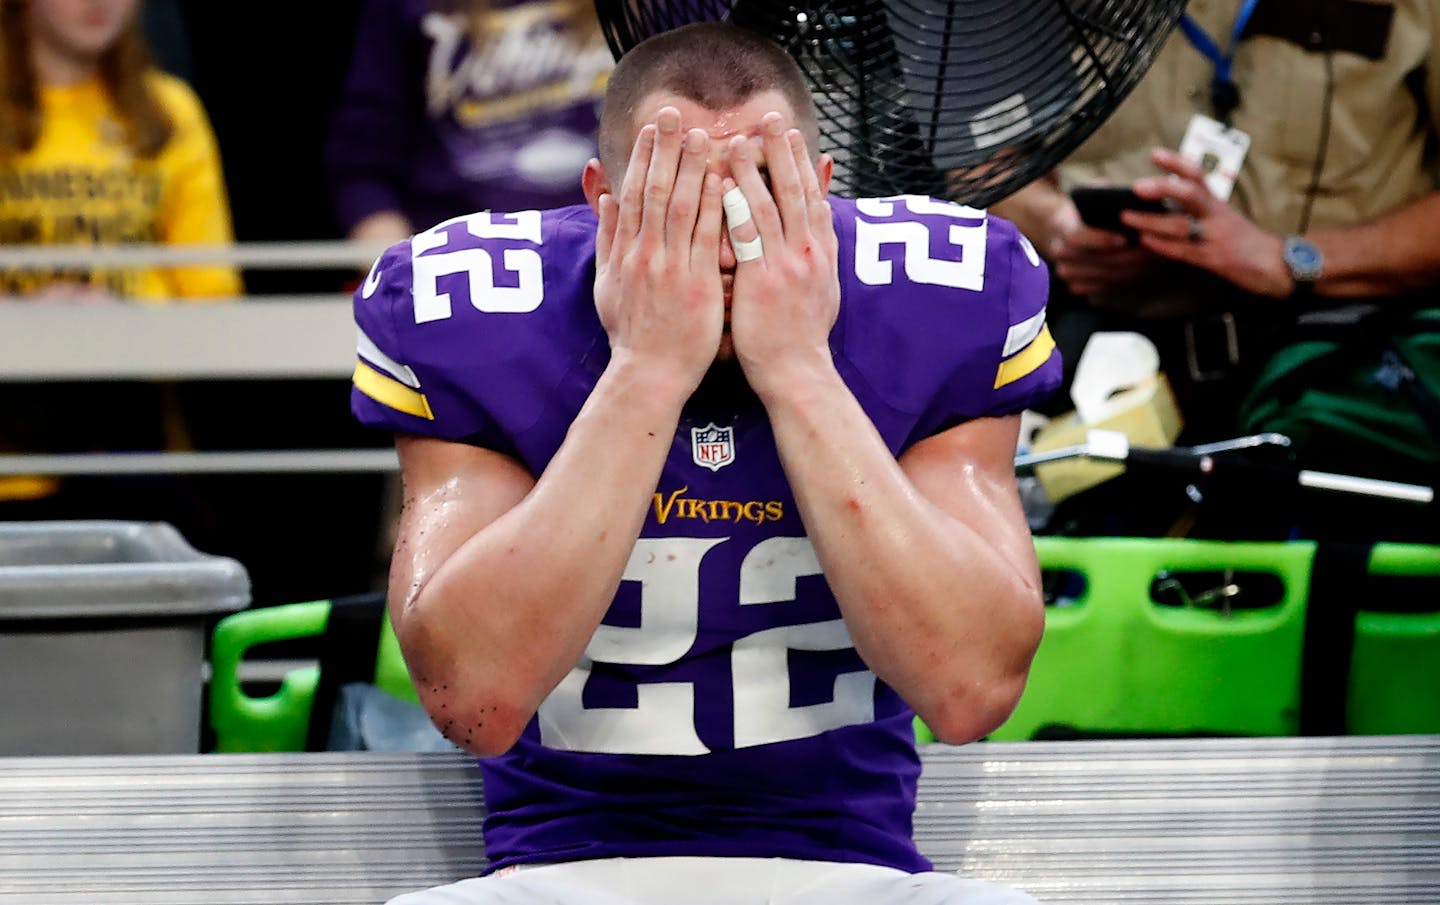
(1216, 346)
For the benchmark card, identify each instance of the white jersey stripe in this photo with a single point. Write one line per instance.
(371, 353)
(1022, 334)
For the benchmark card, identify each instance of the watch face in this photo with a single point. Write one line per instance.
(1303, 258)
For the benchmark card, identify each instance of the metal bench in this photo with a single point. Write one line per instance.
(1218, 821)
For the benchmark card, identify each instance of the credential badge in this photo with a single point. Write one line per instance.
(712, 447)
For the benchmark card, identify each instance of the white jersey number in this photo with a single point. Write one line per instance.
(914, 237)
(663, 720)
(435, 275)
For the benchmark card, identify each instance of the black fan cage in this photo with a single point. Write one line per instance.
(961, 99)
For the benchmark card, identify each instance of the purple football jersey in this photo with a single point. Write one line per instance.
(720, 708)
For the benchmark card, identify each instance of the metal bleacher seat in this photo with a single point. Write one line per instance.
(1213, 821)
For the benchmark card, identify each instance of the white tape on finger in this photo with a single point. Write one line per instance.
(737, 209)
(737, 214)
(747, 251)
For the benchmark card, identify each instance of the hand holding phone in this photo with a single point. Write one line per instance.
(1100, 206)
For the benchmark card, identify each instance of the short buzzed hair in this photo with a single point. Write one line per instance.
(714, 64)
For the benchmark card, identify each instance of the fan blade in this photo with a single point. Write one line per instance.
(961, 99)
(848, 52)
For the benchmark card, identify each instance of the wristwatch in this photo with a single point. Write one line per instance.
(1305, 261)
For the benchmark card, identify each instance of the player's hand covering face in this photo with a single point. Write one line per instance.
(657, 280)
(786, 298)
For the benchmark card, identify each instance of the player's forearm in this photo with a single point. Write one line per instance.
(511, 611)
(932, 605)
(1397, 252)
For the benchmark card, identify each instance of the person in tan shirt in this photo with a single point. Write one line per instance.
(1336, 200)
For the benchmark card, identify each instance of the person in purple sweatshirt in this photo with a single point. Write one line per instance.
(455, 106)
(708, 491)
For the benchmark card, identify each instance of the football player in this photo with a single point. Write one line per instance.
(708, 491)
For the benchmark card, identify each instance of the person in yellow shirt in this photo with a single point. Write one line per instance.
(99, 147)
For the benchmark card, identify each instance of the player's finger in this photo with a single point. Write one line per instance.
(816, 205)
(809, 175)
(660, 179)
(786, 186)
(605, 235)
(632, 190)
(685, 198)
(745, 171)
(745, 238)
(705, 243)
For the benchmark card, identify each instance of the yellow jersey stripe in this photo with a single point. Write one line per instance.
(391, 392)
(1026, 360)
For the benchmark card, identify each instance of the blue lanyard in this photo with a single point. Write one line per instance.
(1223, 93)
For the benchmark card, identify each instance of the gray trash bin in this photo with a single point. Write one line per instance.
(103, 627)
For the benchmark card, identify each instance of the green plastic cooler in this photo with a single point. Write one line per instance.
(1114, 661)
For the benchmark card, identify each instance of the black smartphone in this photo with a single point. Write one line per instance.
(1100, 206)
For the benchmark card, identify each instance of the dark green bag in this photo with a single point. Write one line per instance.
(1358, 393)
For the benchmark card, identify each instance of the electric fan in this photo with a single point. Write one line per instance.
(961, 99)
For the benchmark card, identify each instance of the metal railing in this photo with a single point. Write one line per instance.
(254, 255)
(252, 337)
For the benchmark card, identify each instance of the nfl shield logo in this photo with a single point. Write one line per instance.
(712, 447)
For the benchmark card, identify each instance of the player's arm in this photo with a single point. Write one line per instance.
(499, 580)
(929, 557)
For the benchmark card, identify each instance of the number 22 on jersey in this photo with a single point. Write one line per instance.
(663, 720)
(471, 272)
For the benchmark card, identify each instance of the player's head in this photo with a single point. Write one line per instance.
(721, 79)
(714, 65)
